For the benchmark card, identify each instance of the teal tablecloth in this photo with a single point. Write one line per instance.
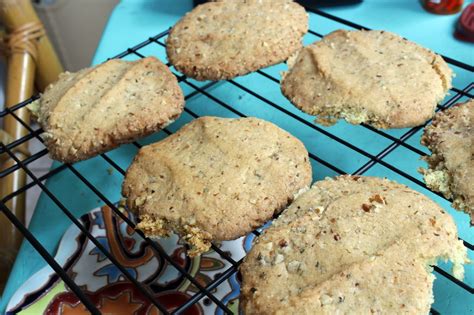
(133, 21)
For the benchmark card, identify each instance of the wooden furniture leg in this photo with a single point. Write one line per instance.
(30, 54)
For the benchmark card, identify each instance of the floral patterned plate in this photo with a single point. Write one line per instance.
(112, 293)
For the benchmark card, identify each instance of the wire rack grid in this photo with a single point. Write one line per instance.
(390, 142)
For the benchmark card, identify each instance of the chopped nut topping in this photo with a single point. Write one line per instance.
(366, 207)
(378, 199)
(261, 259)
(319, 210)
(326, 299)
(286, 249)
(279, 258)
(294, 266)
(269, 246)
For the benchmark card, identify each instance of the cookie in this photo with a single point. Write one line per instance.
(372, 77)
(451, 165)
(215, 179)
(224, 39)
(351, 244)
(96, 109)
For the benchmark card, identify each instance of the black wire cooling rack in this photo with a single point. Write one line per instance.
(204, 291)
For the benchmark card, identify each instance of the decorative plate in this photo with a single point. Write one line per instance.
(112, 293)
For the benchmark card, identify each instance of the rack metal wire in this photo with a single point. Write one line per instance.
(203, 291)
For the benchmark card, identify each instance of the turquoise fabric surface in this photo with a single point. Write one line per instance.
(133, 21)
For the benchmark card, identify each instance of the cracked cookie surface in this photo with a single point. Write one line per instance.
(450, 138)
(350, 245)
(96, 109)
(215, 179)
(224, 39)
(371, 77)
